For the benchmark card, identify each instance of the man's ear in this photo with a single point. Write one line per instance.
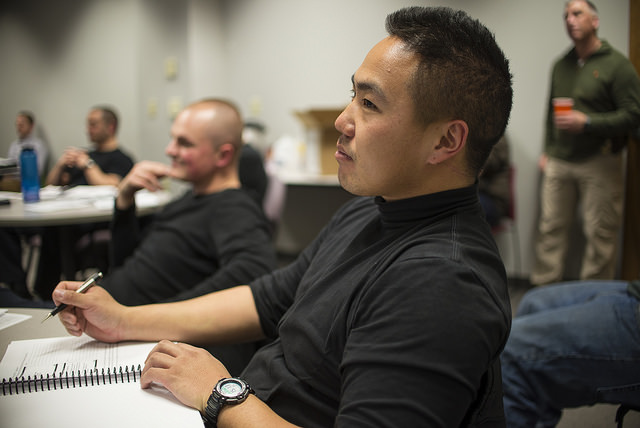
(451, 143)
(224, 154)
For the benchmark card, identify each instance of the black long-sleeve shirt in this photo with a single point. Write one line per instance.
(195, 245)
(389, 318)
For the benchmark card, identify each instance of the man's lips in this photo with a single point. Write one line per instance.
(342, 155)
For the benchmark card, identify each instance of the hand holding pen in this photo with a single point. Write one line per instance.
(90, 282)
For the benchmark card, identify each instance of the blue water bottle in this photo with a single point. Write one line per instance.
(30, 180)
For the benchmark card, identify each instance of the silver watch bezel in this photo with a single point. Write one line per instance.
(235, 398)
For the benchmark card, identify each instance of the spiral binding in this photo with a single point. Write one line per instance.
(93, 377)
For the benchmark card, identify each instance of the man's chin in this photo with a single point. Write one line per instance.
(176, 172)
(177, 175)
(348, 185)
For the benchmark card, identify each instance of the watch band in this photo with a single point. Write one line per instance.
(210, 416)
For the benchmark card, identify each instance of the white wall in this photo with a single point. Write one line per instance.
(271, 57)
(61, 58)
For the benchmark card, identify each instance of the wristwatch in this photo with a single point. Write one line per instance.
(227, 391)
(89, 163)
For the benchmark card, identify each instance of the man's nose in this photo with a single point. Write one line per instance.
(344, 123)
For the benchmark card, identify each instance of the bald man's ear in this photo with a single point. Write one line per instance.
(225, 154)
(451, 143)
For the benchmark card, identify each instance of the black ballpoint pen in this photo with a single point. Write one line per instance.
(90, 282)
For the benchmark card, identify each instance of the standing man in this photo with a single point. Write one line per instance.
(396, 314)
(105, 164)
(582, 160)
(25, 124)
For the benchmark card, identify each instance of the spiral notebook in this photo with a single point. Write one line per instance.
(75, 381)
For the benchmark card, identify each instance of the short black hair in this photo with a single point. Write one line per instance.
(109, 116)
(462, 74)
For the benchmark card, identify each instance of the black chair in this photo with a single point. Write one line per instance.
(487, 411)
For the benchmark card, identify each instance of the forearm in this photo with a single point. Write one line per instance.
(53, 178)
(227, 316)
(125, 234)
(95, 176)
(241, 269)
(125, 199)
(251, 413)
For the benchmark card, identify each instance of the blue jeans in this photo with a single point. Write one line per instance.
(571, 345)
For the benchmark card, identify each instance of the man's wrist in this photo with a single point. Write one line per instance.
(228, 391)
(89, 164)
(124, 200)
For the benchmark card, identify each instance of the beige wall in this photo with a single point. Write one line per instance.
(61, 57)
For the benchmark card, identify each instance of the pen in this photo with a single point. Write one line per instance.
(90, 282)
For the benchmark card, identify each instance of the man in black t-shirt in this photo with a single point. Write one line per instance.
(106, 163)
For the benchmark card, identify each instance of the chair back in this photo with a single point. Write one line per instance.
(487, 411)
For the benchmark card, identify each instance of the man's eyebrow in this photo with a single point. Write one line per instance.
(368, 87)
(182, 140)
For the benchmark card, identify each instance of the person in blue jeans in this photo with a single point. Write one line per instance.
(572, 344)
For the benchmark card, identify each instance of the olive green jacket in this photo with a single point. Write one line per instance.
(607, 89)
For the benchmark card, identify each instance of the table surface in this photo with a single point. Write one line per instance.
(82, 204)
(31, 328)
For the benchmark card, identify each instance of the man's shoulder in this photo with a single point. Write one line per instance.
(231, 200)
(610, 55)
(123, 153)
(567, 56)
(117, 155)
(607, 48)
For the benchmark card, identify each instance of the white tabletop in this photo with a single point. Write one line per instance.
(81, 204)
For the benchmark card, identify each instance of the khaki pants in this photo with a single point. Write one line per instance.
(596, 187)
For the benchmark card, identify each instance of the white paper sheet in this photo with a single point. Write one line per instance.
(7, 319)
(111, 405)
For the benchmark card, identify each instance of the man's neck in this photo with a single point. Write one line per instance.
(585, 48)
(217, 184)
(108, 145)
(448, 175)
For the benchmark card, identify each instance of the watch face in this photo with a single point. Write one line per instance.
(231, 388)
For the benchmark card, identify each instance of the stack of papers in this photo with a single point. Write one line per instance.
(57, 198)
